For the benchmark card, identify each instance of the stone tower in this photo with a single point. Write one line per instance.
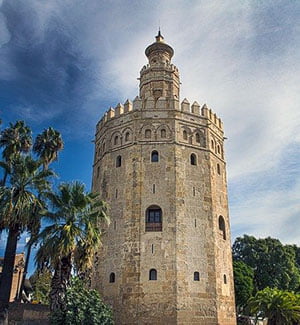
(159, 164)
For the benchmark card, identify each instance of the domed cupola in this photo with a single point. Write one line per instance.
(159, 51)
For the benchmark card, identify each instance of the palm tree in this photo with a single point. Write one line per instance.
(280, 307)
(14, 140)
(76, 227)
(47, 145)
(21, 207)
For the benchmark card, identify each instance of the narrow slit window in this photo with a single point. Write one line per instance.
(218, 169)
(153, 188)
(193, 159)
(119, 161)
(196, 276)
(194, 191)
(195, 223)
(218, 149)
(152, 248)
(154, 156)
(225, 279)
(98, 171)
(116, 193)
(222, 227)
(115, 225)
(112, 277)
(152, 275)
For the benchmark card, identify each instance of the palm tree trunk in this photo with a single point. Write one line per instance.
(59, 285)
(7, 272)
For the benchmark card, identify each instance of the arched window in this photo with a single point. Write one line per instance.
(196, 276)
(119, 161)
(222, 227)
(224, 279)
(116, 140)
(148, 134)
(184, 135)
(127, 136)
(197, 137)
(112, 277)
(152, 275)
(154, 218)
(163, 133)
(212, 144)
(154, 156)
(218, 149)
(193, 159)
(218, 169)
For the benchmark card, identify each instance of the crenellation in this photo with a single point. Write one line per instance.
(127, 106)
(196, 108)
(119, 109)
(110, 113)
(137, 103)
(185, 105)
(150, 103)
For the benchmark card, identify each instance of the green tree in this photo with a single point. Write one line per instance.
(280, 307)
(14, 140)
(84, 306)
(243, 284)
(72, 238)
(21, 207)
(274, 264)
(47, 146)
(41, 284)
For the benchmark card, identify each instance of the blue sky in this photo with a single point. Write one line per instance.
(63, 63)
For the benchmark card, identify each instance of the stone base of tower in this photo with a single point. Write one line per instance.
(204, 316)
(129, 312)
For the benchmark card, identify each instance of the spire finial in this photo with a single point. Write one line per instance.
(159, 37)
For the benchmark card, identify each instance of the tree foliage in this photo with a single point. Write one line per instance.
(40, 281)
(84, 306)
(70, 240)
(280, 307)
(274, 264)
(21, 196)
(243, 283)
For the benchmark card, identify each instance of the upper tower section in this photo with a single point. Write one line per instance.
(159, 78)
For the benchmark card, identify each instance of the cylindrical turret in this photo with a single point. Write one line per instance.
(160, 78)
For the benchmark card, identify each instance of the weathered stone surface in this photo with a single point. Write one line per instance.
(192, 197)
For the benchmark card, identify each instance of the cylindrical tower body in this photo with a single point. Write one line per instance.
(166, 256)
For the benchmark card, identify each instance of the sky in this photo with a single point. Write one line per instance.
(63, 63)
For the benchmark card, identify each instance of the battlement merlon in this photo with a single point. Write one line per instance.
(204, 111)
(160, 104)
